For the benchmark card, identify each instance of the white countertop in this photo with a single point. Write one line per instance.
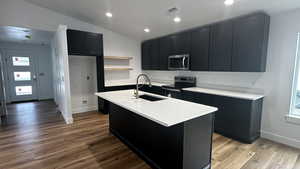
(127, 82)
(241, 95)
(166, 112)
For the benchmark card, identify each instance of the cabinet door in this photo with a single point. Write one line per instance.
(181, 43)
(250, 41)
(200, 98)
(154, 54)
(165, 47)
(75, 39)
(92, 44)
(221, 46)
(233, 117)
(200, 49)
(146, 57)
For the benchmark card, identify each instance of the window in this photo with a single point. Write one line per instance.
(22, 76)
(21, 61)
(295, 104)
(23, 90)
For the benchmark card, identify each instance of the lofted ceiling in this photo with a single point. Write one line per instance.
(130, 17)
(24, 35)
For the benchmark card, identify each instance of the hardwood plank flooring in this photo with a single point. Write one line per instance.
(49, 143)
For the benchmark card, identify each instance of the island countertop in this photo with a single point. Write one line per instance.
(167, 112)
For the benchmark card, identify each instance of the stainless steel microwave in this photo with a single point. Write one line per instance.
(179, 62)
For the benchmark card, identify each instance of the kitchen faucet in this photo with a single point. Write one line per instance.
(137, 84)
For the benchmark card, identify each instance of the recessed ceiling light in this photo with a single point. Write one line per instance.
(108, 14)
(177, 19)
(147, 30)
(229, 2)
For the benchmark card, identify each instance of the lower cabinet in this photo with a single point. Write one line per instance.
(154, 89)
(186, 145)
(239, 119)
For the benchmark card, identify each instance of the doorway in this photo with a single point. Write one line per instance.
(22, 78)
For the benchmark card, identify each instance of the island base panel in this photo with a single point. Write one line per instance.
(183, 146)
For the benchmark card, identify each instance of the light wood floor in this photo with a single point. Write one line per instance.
(87, 144)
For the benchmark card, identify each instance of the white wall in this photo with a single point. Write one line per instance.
(23, 14)
(275, 83)
(43, 62)
(61, 80)
(83, 83)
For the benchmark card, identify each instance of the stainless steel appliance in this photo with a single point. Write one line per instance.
(179, 62)
(180, 82)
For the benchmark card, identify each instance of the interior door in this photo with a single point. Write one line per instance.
(22, 76)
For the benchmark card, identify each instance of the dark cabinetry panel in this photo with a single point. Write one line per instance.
(200, 49)
(221, 46)
(154, 89)
(146, 57)
(84, 43)
(238, 45)
(150, 55)
(181, 43)
(239, 119)
(182, 146)
(250, 40)
(165, 48)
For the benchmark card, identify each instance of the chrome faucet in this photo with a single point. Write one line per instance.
(137, 84)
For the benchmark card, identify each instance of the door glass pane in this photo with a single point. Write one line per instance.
(23, 90)
(21, 61)
(22, 76)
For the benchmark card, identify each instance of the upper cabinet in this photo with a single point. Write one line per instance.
(237, 45)
(200, 49)
(165, 50)
(180, 43)
(150, 55)
(84, 43)
(250, 43)
(221, 46)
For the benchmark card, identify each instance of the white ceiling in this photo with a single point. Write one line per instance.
(17, 34)
(130, 17)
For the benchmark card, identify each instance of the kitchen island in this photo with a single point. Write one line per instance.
(167, 133)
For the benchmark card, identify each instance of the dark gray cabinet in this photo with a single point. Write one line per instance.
(200, 49)
(250, 41)
(150, 55)
(236, 45)
(84, 43)
(165, 48)
(180, 43)
(236, 118)
(146, 57)
(185, 145)
(221, 46)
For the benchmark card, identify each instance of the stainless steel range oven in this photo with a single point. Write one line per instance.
(180, 82)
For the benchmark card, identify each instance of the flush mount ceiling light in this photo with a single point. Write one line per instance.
(108, 14)
(174, 12)
(177, 19)
(147, 30)
(229, 2)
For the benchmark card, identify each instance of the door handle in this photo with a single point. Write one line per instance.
(34, 77)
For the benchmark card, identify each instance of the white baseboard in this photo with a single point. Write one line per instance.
(84, 109)
(281, 139)
(68, 120)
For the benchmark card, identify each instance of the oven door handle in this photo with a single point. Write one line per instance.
(172, 90)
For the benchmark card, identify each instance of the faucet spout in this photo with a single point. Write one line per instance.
(137, 84)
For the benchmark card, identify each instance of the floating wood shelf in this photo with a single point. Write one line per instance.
(117, 68)
(118, 57)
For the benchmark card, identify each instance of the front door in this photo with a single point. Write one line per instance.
(22, 77)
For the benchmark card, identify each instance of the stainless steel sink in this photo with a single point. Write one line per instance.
(150, 98)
